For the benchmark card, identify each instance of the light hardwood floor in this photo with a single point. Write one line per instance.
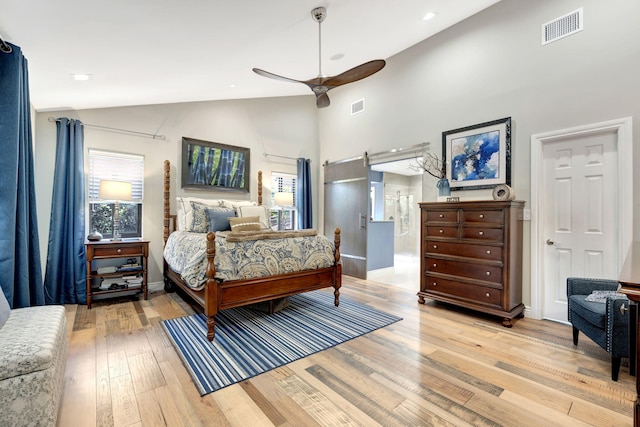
(437, 367)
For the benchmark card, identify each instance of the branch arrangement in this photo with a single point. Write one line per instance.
(431, 164)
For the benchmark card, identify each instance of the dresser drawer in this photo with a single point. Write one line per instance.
(117, 251)
(466, 291)
(442, 231)
(485, 252)
(483, 233)
(487, 273)
(488, 215)
(442, 216)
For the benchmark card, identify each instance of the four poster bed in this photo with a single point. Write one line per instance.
(238, 268)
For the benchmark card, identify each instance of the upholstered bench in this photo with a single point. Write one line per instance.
(33, 355)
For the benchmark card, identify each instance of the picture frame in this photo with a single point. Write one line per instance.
(478, 156)
(214, 166)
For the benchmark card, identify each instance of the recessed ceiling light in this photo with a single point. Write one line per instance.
(232, 85)
(80, 77)
(428, 16)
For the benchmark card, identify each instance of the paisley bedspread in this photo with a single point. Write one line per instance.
(185, 252)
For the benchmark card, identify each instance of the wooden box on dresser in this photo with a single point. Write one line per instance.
(472, 256)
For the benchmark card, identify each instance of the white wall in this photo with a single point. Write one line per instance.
(491, 66)
(281, 126)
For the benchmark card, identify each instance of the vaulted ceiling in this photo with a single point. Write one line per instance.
(157, 51)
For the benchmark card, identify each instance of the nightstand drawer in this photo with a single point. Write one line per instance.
(117, 251)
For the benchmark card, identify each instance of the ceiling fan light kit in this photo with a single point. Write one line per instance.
(322, 84)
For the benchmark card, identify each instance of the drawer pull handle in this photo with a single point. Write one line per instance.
(435, 284)
(481, 215)
(441, 231)
(488, 295)
(435, 246)
(488, 252)
(435, 265)
(481, 233)
(441, 216)
(488, 273)
(119, 250)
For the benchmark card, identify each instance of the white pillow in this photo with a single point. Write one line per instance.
(262, 212)
(5, 310)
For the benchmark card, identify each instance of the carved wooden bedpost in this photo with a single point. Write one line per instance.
(260, 188)
(166, 198)
(337, 280)
(211, 288)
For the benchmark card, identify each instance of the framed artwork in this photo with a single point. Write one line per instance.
(213, 166)
(478, 156)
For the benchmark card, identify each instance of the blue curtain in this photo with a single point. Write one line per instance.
(303, 194)
(19, 249)
(66, 275)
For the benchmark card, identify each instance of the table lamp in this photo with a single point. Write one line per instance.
(116, 191)
(282, 199)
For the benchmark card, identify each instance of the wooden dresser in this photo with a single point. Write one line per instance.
(472, 256)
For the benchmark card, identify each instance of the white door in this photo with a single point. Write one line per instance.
(580, 218)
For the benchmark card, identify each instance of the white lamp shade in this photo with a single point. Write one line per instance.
(283, 199)
(115, 190)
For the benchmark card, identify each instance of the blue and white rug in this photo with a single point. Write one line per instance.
(249, 342)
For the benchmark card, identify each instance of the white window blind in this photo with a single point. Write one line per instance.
(116, 166)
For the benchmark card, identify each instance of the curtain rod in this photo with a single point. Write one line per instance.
(150, 135)
(4, 47)
(282, 157)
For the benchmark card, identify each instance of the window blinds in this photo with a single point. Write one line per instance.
(115, 166)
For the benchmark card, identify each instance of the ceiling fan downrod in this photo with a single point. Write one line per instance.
(318, 14)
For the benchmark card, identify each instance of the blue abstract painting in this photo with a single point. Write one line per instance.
(475, 157)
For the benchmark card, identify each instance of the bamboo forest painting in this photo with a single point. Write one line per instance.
(213, 166)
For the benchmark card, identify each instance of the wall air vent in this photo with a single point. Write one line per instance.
(563, 26)
(357, 107)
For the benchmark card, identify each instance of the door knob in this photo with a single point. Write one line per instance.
(550, 242)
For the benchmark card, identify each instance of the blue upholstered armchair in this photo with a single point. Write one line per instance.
(605, 323)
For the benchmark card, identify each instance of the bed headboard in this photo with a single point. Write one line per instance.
(171, 219)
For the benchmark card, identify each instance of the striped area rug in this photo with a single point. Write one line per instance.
(249, 342)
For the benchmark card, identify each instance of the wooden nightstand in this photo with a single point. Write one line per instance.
(126, 250)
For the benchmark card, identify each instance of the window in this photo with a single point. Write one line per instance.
(119, 167)
(283, 217)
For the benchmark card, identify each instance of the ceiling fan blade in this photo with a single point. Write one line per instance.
(322, 100)
(275, 76)
(356, 73)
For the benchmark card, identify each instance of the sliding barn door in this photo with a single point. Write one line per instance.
(346, 206)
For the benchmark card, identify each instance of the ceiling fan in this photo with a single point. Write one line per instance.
(322, 84)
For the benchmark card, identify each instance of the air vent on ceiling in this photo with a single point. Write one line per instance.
(357, 107)
(563, 26)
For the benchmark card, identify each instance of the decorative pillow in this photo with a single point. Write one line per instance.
(5, 310)
(219, 219)
(247, 223)
(262, 212)
(185, 212)
(200, 217)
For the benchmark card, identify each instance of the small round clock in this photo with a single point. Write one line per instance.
(503, 192)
